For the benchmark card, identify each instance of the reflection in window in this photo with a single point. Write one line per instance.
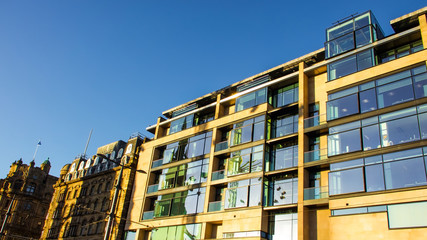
(283, 225)
(285, 125)
(342, 107)
(243, 193)
(346, 181)
(188, 148)
(283, 190)
(251, 99)
(180, 232)
(344, 142)
(286, 95)
(284, 156)
(180, 203)
(184, 175)
(248, 131)
(246, 160)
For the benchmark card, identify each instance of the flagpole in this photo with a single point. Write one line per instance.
(37, 147)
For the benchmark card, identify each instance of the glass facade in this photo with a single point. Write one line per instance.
(351, 64)
(184, 175)
(180, 203)
(283, 225)
(244, 193)
(399, 127)
(384, 92)
(246, 161)
(248, 131)
(283, 155)
(285, 125)
(286, 95)
(394, 170)
(282, 190)
(251, 99)
(188, 148)
(190, 121)
(351, 34)
(180, 232)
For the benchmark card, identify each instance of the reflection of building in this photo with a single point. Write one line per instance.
(28, 190)
(84, 193)
(292, 152)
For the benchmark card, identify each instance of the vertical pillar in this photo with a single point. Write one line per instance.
(159, 130)
(302, 146)
(219, 110)
(423, 28)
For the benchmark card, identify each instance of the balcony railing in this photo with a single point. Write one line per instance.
(316, 193)
(153, 188)
(221, 146)
(217, 175)
(157, 163)
(313, 121)
(316, 155)
(148, 215)
(215, 206)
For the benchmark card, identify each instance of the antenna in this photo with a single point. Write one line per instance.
(346, 18)
(87, 144)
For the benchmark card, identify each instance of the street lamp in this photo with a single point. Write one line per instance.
(116, 192)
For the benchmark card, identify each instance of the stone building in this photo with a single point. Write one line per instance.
(26, 191)
(85, 191)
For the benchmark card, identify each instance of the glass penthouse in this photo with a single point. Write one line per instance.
(332, 145)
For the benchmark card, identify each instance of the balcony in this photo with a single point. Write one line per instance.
(316, 155)
(157, 163)
(148, 215)
(153, 188)
(217, 175)
(316, 193)
(215, 206)
(314, 121)
(221, 146)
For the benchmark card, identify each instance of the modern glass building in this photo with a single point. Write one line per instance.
(331, 145)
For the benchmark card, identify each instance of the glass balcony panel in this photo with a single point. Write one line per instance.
(215, 206)
(217, 175)
(316, 155)
(316, 193)
(221, 146)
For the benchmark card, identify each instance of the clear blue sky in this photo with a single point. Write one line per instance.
(72, 65)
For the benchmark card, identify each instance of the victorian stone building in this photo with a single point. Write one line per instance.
(25, 195)
(85, 191)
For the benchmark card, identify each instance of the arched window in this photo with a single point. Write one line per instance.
(90, 227)
(99, 224)
(95, 205)
(92, 190)
(107, 186)
(113, 155)
(104, 206)
(120, 153)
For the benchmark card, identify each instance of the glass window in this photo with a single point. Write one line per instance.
(344, 142)
(371, 137)
(286, 95)
(251, 99)
(283, 225)
(420, 85)
(405, 173)
(407, 215)
(236, 197)
(342, 93)
(365, 60)
(285, 126)
(340, 45)
(422, 119)
(374, 178)
(346, 181)
(342, 67)
(363, 36)
(342, 107)
(181, 124)
(283, 191)
(285, 157)
(368, 100)
(347, 164)
(399, 131)
(395, 93)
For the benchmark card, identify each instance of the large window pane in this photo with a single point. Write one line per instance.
(284, 157)
(255, 195)
(399, 131)
(346, 181)
(342, 107)
(344, 142)
(236, 197)
(405, 173)
(374, 178)
(395, 93)
(342, 68)
(363, 36)
(420, 82)
(364, 60)
(340, 45)
(371, 137)
(422, 119)
(245, 101)
(368, 100)
(239, 164)
(258, 132)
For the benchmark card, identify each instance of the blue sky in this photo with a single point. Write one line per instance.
(67, 67)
